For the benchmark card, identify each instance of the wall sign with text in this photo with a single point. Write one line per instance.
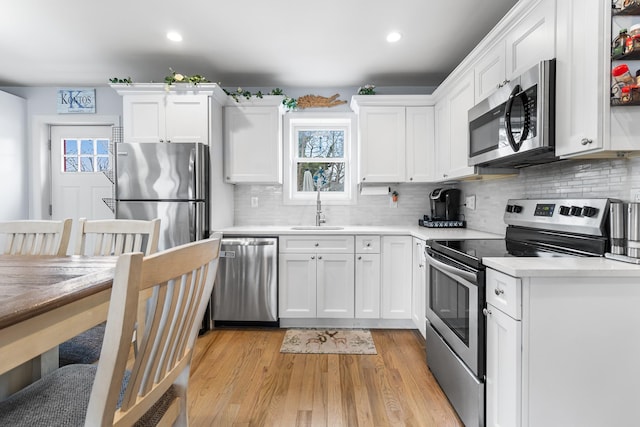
(76, 101)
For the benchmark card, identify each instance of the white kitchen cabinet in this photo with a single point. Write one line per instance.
(420, 144)
(253, 141)
(316, 277)
(532, 37)
(395, 138)
(529, 40)
(490, 71)
(297, 285)
(165, 118)
(504, 364)
(367, 278)
(382, 144)
(418, 283)
(452, 130)
(153, 113)
(586, 124)
(581, 105)
(397, 256)
(550, 360)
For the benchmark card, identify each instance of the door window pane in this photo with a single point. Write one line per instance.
(85, 155)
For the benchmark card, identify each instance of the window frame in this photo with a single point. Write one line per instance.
(304, 121)
(95, 156)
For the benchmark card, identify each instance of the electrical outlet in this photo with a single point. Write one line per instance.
(470, 202)
(254, 202)
(635, 195)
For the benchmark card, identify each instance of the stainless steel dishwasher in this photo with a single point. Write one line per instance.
(246, 287)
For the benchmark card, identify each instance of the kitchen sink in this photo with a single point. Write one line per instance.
(316, 227)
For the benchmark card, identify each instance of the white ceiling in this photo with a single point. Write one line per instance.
(249, 43)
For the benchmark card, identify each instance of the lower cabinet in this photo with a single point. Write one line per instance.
(504, 362)
(396, 277)
(418, 285)
(367, 284)
(316, 277)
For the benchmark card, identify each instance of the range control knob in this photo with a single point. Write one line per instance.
(517, 208)
(509, 208)
(589, 211)
(564, 210)
(576, 210)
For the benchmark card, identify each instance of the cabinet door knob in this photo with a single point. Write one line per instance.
(586, 141)
(161, 140)
(317, 244)
(486, 312)
(411, 179)
(364, 178)
(498, 291)
(319, 257)
(313, 257)
(368, 244)
(359, 257)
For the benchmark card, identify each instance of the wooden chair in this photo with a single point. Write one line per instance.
(103, 238)
(33, 237)
(117, 236)
(152, 389)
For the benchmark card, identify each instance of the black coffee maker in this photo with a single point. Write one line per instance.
(445, 204)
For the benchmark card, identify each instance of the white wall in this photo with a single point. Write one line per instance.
(13, 158)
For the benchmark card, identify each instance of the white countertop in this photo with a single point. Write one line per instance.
(563, 267)
(415, 231)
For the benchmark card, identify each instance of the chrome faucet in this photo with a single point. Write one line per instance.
(319, 215)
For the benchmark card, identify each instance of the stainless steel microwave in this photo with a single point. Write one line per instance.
(515, 126)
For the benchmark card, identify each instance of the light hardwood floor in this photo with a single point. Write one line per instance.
(240, 378)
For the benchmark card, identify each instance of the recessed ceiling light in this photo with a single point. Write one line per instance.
(393, 37)
(174, 36)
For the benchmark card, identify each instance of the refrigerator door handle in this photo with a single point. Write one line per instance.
(197, 215)
(193, 175)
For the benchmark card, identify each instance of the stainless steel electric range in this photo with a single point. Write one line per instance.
(455, 296)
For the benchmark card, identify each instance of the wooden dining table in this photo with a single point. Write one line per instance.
(46, 300)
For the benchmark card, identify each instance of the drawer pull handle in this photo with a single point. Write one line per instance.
(486, 312)
(319, 257)
(317, 244)
(498, 291)
(368, 244)
(313, 257)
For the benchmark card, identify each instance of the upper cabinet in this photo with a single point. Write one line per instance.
(395, 138)
(588, 122)
(151, 113)
(529, 39)
(253, 140)
(452, 131)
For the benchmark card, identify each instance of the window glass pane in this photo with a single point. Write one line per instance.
(86, 164)
(102, 146)
(320, 143)
(71, 164)
(102, 163)
(70, 146)
(86, 146)
(334, 173)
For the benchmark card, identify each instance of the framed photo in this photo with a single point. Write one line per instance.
(76, 101)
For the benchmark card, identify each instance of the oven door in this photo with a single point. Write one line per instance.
(452, 307)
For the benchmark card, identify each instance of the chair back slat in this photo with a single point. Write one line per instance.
(117, 236)
(36, 237)
(175, 286)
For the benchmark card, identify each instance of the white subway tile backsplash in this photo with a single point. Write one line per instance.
(565, 179)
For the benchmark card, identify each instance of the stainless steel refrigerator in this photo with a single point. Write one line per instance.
(166, 181)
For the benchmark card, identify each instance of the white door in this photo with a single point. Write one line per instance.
(79, 154)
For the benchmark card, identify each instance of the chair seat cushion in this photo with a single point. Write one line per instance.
(83, 348)
(61, 399)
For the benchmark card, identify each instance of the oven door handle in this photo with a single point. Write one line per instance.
(470, 277)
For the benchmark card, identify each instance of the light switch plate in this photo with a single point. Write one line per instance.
(254, 202)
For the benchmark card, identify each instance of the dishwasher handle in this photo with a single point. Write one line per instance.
(247, 242)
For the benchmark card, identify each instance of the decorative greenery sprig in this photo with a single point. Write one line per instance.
(367, 90)
(183, 78)
(119, 80)
(288, 102)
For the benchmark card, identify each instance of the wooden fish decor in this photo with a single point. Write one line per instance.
(309, 101)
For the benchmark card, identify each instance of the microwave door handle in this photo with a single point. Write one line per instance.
(516, 92)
